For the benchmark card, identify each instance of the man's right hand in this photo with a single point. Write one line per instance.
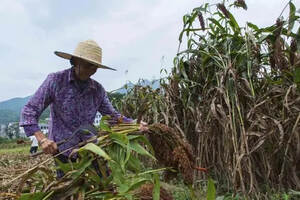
(48, 146)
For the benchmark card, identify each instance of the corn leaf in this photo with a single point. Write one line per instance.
(104, 124)
(120, 138)
(233, 23)
(217, 23)
(143, 139)
(33, 196)
(132, 184)
(211, 191)
(253, 26)
(117, 173)
(134, 164)
(80, 167)
(297, 75)
(291, 17)
(65, 167)
(95, 149)
(156, 189)
(135, 146)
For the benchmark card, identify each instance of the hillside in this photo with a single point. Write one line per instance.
(14, 104)
(10, 110)
(7, 116)
(143, 82)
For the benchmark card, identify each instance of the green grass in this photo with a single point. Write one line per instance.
(6, 143)
(21, 149)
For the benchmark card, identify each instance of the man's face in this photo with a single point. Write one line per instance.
(84, 70)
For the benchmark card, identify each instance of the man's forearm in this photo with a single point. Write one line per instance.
(48, 146)
(39, 136)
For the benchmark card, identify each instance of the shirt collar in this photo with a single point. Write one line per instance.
(72, 78)
(71, 74)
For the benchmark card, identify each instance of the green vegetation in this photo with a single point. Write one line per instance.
(13, 149)
(121, 150)
(118, 150)
(10, 110)
(233, 95)
(10, 146)
(7, 116)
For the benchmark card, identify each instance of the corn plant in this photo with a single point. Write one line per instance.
(234, 94)
(143, 103)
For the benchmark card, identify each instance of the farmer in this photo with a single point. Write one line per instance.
(34, 144)
(74, 100)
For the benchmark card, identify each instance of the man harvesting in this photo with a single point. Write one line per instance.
(34, 144)
(74, 100)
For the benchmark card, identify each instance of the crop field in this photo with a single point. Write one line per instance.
(14, 161)
(224, 123)
(15, 150)
(25, 177)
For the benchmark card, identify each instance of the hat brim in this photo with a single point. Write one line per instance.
(69, 56)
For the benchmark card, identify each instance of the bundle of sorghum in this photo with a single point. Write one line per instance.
(172, 150)
(145, 193)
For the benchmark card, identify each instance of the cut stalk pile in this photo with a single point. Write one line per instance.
(117, 153)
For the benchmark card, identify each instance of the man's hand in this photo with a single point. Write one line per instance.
(48, 146)
(143, 126)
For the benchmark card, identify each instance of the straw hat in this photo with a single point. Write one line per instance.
(89, 51)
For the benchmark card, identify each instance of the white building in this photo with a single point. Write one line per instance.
(22, 132)
(97, 119)
(44, 128)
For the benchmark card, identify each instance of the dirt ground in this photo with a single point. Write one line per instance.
(14, 162)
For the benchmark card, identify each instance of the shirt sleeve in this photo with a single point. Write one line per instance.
(36, 105)
(106, 108)
(31, 129)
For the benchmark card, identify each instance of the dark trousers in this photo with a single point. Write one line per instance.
(64, 159)
(33, 150)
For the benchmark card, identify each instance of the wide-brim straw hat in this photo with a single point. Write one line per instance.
(88, 51)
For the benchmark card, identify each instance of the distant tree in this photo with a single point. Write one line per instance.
(12, 130)
(117, 96)
(5, 130)
(45, 114)
(9, 132)
(17, 130)
(116, 99)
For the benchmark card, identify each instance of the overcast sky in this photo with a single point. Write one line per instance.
(138, 36)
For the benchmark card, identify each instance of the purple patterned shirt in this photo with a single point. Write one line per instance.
(69, 107)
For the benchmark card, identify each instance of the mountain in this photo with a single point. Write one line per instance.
(123, 90)
(7, 116)
(154, 84)
(143, 82)
(15, 104)
(10, 110)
